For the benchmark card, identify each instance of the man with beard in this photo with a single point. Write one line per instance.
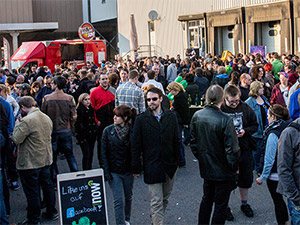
(33, 135)
(244, 121)
(103, 102)
(156, 138)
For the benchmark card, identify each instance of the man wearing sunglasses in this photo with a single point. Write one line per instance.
(156, 139)
(245, 123)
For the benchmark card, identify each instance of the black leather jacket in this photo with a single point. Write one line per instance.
(115, 153)
(215, 144)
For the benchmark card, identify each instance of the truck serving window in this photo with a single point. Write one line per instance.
(70, 52)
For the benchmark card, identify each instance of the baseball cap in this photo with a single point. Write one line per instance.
(284, 74)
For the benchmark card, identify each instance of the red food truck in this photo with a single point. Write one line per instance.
(49, 53)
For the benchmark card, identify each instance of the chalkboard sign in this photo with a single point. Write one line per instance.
(82, 198)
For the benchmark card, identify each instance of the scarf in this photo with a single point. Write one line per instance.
(122, 132)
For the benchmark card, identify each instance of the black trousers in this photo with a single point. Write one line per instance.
(32, 180)
(217, 192)
(281, 211)
(87, 148)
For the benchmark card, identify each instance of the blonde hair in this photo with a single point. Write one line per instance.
(81, 97)
(175, 86)
(254, 87)
(147, 87)
(3, 87)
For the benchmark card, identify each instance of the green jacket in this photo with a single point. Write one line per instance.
(277, 66)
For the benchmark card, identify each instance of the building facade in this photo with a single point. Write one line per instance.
(30, 20)
(211, 26)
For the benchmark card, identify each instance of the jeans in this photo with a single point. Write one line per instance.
(257, 153)
(62, 142)
(217, 192)
(3, 217)
(87, 148)
(280, 206)
(294, 212)
(182, 150)
(159, 195)
(187, 136)
(32, 180)
(121, 187)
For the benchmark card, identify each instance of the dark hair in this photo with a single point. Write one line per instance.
(155, 90)
(124, 69)
(60, 81)
(133, 74)
(234, 78)
(151, 74)
(113, 79)
(190, 78)
(255, 71)
(279, 112)
(22, 70)
(199, 72)
(27, 101)
(232, 91)
(10, 80)
(125, 111)
(172, 60)
(35, 84)
(214, 95)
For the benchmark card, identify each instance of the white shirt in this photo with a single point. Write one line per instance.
(156, 84)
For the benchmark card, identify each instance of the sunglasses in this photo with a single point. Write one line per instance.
(153, 99)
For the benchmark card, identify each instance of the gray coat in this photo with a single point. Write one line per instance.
(288, 163)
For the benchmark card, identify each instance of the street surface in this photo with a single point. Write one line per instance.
(183, 203)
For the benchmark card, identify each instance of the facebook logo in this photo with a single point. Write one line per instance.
(70, 212)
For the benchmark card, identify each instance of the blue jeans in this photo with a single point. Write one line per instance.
(294, 212)
(3, 217)
(62, 142)
(257, 153)
(32, 180)
(121, 187)
(182, 150)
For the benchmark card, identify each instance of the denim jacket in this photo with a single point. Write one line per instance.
(256, 108)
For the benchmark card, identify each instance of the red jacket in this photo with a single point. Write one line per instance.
(103, 102)
(277, 97)
(293, 77)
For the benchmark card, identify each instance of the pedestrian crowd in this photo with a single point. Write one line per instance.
(239, 115)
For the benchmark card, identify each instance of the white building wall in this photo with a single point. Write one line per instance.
(169, 33)
(102, 10)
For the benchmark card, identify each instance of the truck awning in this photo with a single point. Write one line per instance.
(29, 50)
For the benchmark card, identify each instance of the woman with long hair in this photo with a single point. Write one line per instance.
(181, 108)
(35, 89)
(86, 130)
(259, 103)
(116, 156)
(278, 117)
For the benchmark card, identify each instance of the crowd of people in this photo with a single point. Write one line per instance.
(239, 116)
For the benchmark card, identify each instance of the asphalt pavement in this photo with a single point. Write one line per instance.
(183, 203)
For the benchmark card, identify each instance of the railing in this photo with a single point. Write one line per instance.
(144, 51)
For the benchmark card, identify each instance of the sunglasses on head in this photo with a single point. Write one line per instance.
(153, 99)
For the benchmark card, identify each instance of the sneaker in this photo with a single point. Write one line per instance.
(229, 215)
(14, 185)
(247, 210)
(127, 223)
(48, 216)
